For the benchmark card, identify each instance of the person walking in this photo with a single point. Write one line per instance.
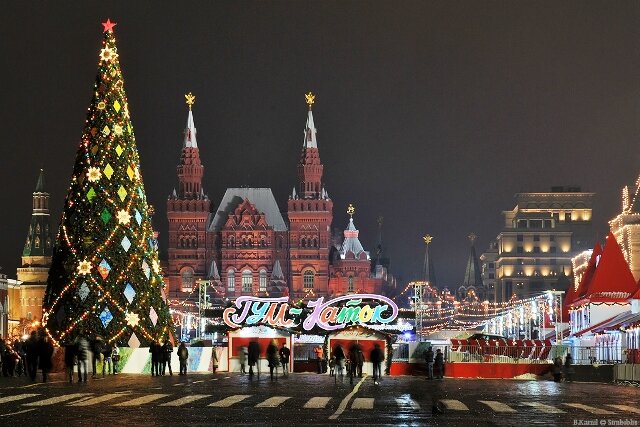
(69, 360)
(285, 354)
(272, 357)
(376, 359)
(115, 357)
(438, 364)
(429, 357)
(167, 349)
(155, 349)
(214, 359)
(107, 349)
(183, 355)
(31, 348)
(45, 352)
(97, 345)
(319, 356)
(338, 352)
(557, 369)
(242, 359)
(253, 357)
(569, 370)
(359, 360)
(82, 354)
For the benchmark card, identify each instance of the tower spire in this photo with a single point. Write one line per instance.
(190, 169)
(472, 275)
(428, 272)
(310, 168)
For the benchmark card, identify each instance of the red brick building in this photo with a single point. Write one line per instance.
(246, 246)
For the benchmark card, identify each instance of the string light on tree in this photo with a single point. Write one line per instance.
(106, 230)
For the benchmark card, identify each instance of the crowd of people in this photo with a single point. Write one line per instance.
(26, 357)
(352, 362)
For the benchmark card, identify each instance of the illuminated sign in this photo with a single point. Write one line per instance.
(249, 310)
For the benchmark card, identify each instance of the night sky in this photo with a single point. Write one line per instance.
(431, 114)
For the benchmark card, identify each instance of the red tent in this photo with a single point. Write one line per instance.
(612, 280)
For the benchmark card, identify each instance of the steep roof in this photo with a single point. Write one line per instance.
(351, 242)
(310, 133)
(612, 280)
(587, 275)
(472, 275)
(261, 198)
(190, 132)
(40, 183)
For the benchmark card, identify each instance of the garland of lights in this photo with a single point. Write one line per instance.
(105, 275)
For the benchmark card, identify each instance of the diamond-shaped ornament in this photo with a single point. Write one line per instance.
(126, 244)
(122, 193)
(106, 317)
(91, 194)
(153, 316)
(138, 217)
(108, 171)
(140, 193)
(104, 268)
(145, 268)
(105, 216)
(106, 130)
(119, 150)
(129, 293)
(60, 315)
(94, 149)
(133, 342)
(116, 106)
(130, 172)
(83, 291)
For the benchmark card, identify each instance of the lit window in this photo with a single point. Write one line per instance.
(187, 278)
(309, 277)
(263, 280)
(247, 281)
(231, 280)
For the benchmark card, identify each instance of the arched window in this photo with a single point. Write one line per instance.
(263, 280)
(303, 242)
(37, 242)
(232, 242)
(350, 288)
(315, 242)
(309, 277)
(187, 278)
(231, 280)
(247, 281)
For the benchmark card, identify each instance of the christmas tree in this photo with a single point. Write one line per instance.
(105, 276)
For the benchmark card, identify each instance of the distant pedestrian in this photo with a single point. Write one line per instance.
(107, 349)
(438, 365)
(338, 352)
(319, 356)
(97, 345)
(214, 359)
(557, 370)
(332, 366)
(45, 353)
(155, 349)
(70, 360)
(183, 356)
(285, 354)
(242, 359)
(82, 354)
(569, 370)
(31, 349)
(253, 357)
(377, 356)
(115, 357)
(167, 349)
(359, 361)
(272, 357)
(429, 358)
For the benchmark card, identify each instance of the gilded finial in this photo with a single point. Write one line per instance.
(427, 239)
(351, 210)
(472, 237)
(191, 99)
(310, 99)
